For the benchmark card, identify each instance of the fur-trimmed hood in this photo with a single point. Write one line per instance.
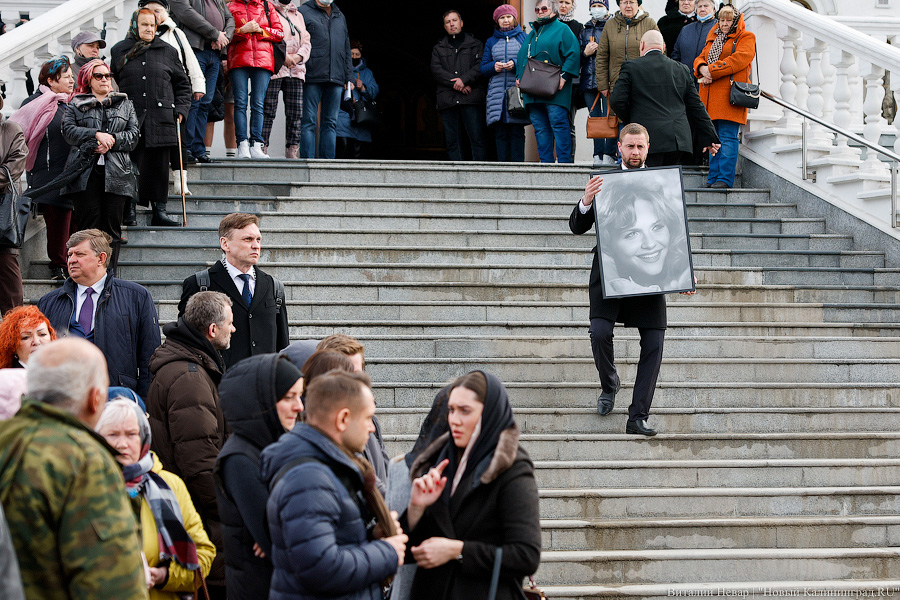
(502, 458)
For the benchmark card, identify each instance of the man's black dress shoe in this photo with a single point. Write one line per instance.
(607, 400)
(639, 427)
(204, 159)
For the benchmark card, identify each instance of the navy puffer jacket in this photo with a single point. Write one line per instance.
(320, 546)
(592, 29)
(691, 41)
(502, 46)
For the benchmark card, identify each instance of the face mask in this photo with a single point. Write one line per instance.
(325, 2)
(356, 61)
(599, 12)
(284, 2)
(706, 18)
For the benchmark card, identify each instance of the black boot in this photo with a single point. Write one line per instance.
(129, 217)
(160, 218)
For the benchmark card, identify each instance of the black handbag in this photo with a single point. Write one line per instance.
(14, 211)
(540, 78)
(365, 113)
(744, 94)
(280, 48)
(515, 106)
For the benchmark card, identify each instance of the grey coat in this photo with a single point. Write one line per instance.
(191, 18)
(84, 117)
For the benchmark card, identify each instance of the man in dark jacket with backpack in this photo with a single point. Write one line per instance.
(461, 91)
(260, 314)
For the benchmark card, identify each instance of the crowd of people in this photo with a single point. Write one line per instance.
(227, 459)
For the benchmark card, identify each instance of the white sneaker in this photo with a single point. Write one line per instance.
(598, 160)
(609, 160)
(181, 181)
(256, 151)
(243, 149)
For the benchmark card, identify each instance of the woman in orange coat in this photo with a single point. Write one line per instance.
(729, 50)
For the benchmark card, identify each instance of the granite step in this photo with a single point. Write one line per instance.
(829, 589)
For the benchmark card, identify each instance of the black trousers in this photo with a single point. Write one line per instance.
(469, 118)
(153, 182)
(647, 370)
(11, 292)
(95, 208)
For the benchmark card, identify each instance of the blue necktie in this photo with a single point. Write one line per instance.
(245, 293)
(86, 316)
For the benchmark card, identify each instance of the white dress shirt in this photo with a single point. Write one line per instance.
(80, 298)
(235, 275)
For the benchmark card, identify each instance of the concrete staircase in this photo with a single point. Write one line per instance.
(777, 471)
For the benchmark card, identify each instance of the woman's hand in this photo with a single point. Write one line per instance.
(251, 27)
(436, 551)
(257, 551)
(158, 575)
(704, 72)
(562, 82)
(692, 292)
(509, 65)
(591, 48)
(499, 66)
(592, 189)
(197, 95)
(429, 487)
(105, 142)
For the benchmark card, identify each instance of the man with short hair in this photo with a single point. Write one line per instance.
(659, 93)
(260, 313)
(647, 313)
(86, 45)
(461, 91)
(375, 451)
(117, 315)
(186, 420)
(63, 493)
(209, 27)
(321, 543)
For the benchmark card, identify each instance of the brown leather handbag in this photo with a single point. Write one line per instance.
(602, 127)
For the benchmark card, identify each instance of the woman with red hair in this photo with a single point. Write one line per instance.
(22, 330)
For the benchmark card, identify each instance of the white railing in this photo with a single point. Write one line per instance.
(836, 73)
(28, 46)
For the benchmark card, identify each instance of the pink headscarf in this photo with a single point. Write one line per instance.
(12, 386)
(35, 117)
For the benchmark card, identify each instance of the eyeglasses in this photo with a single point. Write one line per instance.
(99, 76)
(628, 3)
(541, 9)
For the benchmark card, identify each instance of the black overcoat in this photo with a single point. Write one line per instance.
(659, 93)
(158, 87)
(261, 329)
(634, 311)
(464, 62)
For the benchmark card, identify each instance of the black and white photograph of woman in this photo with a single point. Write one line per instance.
(642, 233)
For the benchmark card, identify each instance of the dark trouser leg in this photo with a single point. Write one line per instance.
(473, 121)
(501, 135)
(450, 119)
(59, 221)
(11, 293)
(153, 185)
(647, 373)
(601, 332)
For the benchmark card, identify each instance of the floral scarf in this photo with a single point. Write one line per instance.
(716, 50)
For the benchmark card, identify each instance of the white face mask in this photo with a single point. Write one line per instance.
(325, 2)
(599, 12)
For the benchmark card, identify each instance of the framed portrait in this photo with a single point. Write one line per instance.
(642, 233)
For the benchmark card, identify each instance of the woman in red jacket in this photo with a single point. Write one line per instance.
(251, 60)
(728, 53)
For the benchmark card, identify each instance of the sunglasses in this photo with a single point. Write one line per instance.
(541, 9)
(99, 76)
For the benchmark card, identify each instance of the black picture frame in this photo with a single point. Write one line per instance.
(643, 240)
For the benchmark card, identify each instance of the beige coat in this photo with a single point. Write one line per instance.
(620, 41)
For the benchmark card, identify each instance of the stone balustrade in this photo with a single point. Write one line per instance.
(835, 71)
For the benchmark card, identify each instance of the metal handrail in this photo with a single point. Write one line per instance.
(892, 156)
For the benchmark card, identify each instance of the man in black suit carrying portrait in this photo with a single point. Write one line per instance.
(659, 93)
(260, 312)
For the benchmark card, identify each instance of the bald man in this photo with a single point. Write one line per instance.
(659, 93)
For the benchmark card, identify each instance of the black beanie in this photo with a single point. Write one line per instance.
(286, 375)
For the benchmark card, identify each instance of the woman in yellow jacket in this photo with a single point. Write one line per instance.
(174, 542)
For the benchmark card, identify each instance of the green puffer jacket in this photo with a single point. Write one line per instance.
(620, 41)
(68, 512)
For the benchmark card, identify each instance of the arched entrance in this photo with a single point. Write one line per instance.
(397, 47)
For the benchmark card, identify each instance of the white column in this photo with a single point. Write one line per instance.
(873, 75)
(802, 76)
(815, 102)
(16, 91)
(842, 116)
(788, 68)
(829, 71)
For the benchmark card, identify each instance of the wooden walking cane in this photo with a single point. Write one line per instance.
(181, 172)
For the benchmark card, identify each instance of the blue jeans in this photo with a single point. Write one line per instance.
(196, 121)
(551, 123)
(602, 146)
(724, 163)
(329, 96)
(258, 80)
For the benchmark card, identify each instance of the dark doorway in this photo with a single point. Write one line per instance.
(397, 47)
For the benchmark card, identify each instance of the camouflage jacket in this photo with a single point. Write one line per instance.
(69, 515)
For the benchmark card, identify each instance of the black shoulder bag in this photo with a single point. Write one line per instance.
(745, 94)
(14, 210)
(280, 48)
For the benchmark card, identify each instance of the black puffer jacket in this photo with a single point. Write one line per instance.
(248, 398)
(84, 117)
(158, 87)
(449, 62)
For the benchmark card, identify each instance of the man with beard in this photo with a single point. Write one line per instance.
(186, 419)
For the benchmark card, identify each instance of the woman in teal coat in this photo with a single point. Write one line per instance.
(551, 41)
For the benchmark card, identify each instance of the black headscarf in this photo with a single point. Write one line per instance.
(496, 417)
(434, 426)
